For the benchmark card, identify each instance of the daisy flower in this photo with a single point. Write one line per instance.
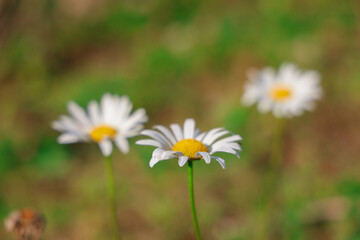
(109, 121)
(287, 93)
(189, 143)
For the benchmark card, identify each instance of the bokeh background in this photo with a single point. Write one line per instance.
(180, 59)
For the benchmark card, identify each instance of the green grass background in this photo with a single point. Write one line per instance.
(180, 59)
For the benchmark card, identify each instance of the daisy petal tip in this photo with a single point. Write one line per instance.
(152, 162)
(124, 151)
(67, 138)
(55, 125)
(106, 147)
(71, 103)
(123, 145)
(58, 140)
(182, 161)
(105, 154)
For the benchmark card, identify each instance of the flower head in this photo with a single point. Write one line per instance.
(25, 224)
(111, 120)
(189, 143)
(286, 93)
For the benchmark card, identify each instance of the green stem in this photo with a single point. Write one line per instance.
(271, 183)
(192, 201)
(110, 179)
(272, 177)
(276, 155)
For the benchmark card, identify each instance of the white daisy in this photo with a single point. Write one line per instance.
(286, 93)
(111, 120)
(189, 143)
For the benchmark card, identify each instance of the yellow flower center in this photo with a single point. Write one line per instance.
(280, 93)
(99, 132)
(189, 147)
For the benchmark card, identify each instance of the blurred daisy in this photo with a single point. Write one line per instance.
(111, 120)
(287, 93)
(189, 143)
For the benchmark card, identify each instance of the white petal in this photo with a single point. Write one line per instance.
(197, 133)
(149, 142)
(123, 109)
(122, 144)
(189, 128)
(226, 150)
(201, 136)
(215, 136)
(177, 131)
(182, 160)
(107, 107)
(67, 138)
(206, 156)
(156, 158)
(106, 147)
(78, 113)
(167, 133)
(233, 145)
(162, 154)
(58, 126)
(220, 160)
(279, 112)
(157, 136)
(153, 161)
(94, 112)
(248, 98)
(132, 132)
(233, 138)
(268, 75)
(210, 133)
(264, 105)
(136, 118)
(70, 124)
(157, 152)
(170, 154)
